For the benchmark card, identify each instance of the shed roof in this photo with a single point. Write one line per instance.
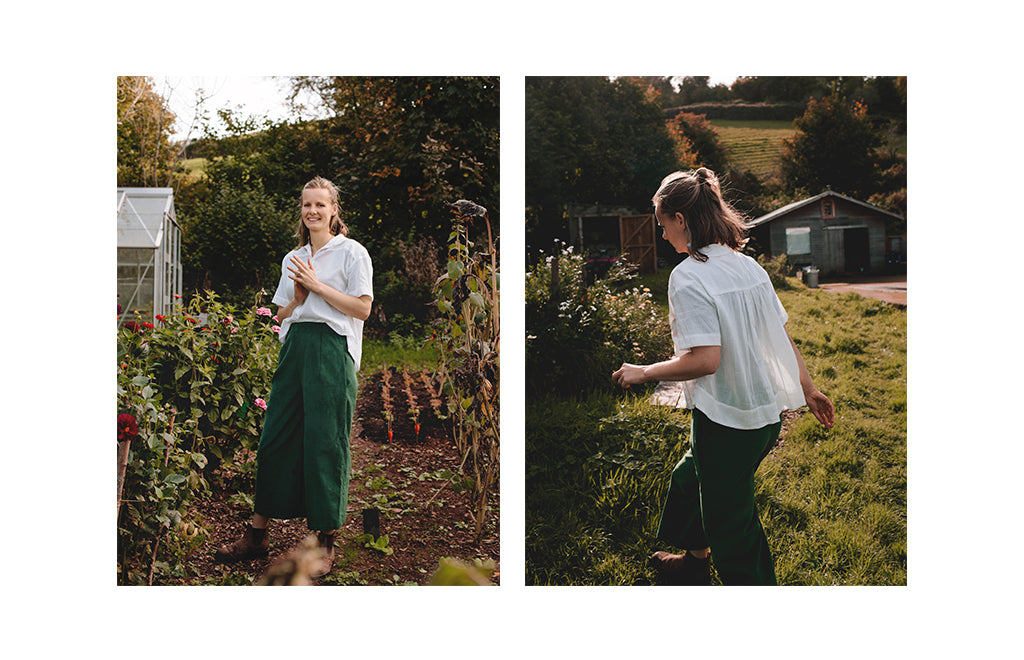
(789, 208)
(141, 213)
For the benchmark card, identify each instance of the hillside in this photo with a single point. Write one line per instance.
(754, 145)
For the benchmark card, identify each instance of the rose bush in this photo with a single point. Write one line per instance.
(191, 399)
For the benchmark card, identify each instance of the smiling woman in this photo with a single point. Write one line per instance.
(303, 461)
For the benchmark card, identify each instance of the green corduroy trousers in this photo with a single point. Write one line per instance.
(710, 502)
(303, 461)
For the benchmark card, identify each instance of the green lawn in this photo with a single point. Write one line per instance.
(833, 503)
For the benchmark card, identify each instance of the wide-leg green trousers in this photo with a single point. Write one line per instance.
(710, 502)
(303, 460)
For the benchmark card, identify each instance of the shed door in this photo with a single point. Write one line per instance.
(639, 241)
(855, 248)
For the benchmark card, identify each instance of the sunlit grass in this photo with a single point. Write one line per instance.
(833, 503)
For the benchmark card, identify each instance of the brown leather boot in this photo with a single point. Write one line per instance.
(326, 540)
(682, 570)
(254, 543)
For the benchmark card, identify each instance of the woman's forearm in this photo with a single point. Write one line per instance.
(285, 311)
(356, 307)
(805, 376)
(699, 361)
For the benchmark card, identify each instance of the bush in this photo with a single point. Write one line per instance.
(191, 391)
(778, 270)
(578, 335)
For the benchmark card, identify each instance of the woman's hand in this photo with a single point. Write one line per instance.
(821, 407)
(630, 374)
(304, 277)
(300, 295)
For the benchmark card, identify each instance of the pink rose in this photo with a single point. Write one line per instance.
(263, 311)
(260, 403)
(275, 328)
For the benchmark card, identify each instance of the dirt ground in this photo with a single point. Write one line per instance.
(887, 288)
(423, 512)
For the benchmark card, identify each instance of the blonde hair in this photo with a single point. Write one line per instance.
(709, 218)
(337, 225)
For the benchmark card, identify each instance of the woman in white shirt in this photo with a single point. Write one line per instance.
(739, 369)
(303, 460)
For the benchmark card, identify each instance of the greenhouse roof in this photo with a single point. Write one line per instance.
(141, 214)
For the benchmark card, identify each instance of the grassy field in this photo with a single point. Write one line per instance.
(754, 145)
(833, 503)
(195, 168)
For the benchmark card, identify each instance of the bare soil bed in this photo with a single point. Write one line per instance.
(411, 481)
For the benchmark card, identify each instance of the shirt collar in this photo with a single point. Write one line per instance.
(329, 245)
(715, 249)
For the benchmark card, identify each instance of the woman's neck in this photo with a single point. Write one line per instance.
(318, 240)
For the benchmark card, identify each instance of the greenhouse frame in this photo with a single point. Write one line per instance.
(148, 254)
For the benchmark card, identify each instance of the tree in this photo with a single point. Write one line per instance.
(779, 89)
(697, 143)
(145, 156)
(589, 140)
(834, 147)
(403, 147)
(233, 241)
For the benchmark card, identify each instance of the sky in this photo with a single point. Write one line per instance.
(257, 95)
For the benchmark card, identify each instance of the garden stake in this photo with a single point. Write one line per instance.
(123, 448)
(371, 523)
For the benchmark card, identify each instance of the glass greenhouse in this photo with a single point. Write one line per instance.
(148, 253)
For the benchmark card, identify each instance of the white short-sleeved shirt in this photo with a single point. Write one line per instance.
(341, 264)
(729, 301)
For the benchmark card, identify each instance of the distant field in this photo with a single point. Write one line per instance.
(195, 168)
(754, 145)
(757, 145)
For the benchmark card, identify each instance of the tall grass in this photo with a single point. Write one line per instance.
(833, 503)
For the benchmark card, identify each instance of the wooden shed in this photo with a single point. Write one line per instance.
(618, 231)
(830, 231)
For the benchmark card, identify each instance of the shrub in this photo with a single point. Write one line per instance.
(578, 335)
(191, 391)
(212, 364)
(778, 270)
(161, 478)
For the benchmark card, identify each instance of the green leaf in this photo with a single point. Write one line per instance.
(139, 381)
(174, 479)
(455, 269)
(239, 371)
(476, 299)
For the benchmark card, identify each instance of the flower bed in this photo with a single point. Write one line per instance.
(191, 395)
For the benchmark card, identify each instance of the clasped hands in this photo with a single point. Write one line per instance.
(304, 276)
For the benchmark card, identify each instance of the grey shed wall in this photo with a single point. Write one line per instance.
(852, 240)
